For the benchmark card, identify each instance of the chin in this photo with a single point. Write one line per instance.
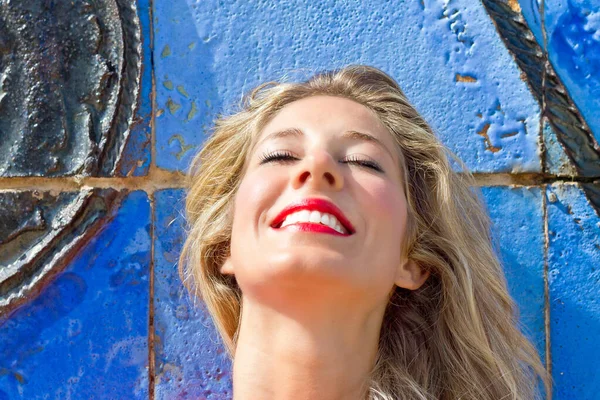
(298, 271)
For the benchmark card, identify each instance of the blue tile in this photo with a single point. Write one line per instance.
(574, 280)
(136, 156)
(573, 32)
(530, 9)
(518, 227)
(449, 59)
(85, 335)
(556, 161)
(191, 362)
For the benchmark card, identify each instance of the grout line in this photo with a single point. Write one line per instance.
(168, 179)
(156, 179)
(151, 337)
(542, 9)
(547, 287)
(159, 179)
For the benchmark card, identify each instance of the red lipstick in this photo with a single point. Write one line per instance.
(314, 204)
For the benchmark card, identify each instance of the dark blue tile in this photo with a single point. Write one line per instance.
(573, 34)
(191, 362)
(135, 160)
(574, 279)
(517, 215)
(85, 335)
(448, 58)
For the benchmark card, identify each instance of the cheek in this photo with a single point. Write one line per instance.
(256, 193)
(387, 203)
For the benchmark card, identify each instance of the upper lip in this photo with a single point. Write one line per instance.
(314, 204)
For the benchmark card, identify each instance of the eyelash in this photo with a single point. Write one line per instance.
(287, 156)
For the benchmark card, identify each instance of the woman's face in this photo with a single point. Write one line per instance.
(321, 155)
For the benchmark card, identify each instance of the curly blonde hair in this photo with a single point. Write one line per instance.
(457, 336)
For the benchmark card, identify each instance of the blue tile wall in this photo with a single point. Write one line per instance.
(86, 335)
(518, 227)
(191, 362)
(574, 281)
(447, 57)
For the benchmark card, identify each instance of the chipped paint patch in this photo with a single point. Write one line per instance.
(182, 91)
(465, 78)
(166, 51)
(486, 139)
(183, 148)
(514, 5)
(172, 106)
(193, 111)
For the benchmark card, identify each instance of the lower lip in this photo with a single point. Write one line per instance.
(318, 228)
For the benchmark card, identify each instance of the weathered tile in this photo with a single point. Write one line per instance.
(565, 121)
(85, 335)
(135, 159)
(530, 9)
(556, 161)
(191, 362)
(517, 215)
(448, 58)
(573, 35)
(69, 87)
(40, 231)
(574, 281)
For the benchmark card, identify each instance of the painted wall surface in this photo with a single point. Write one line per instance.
(515, 95)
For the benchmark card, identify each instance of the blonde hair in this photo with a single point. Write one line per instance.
(456, 337)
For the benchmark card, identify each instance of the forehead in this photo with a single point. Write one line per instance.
(327, 115)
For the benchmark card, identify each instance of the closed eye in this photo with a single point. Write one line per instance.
(353, 159)
(277, 156)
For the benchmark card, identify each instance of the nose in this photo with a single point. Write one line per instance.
(319, 170)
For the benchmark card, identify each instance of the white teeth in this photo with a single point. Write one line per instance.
(314, 217)
(302, 216)
(333, 222)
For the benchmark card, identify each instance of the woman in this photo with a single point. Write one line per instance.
(342, 258)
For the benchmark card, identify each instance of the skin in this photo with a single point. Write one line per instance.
(313, 303)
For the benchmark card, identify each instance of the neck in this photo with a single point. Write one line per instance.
(305, 350)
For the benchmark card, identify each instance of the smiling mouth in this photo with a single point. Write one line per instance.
(314, 215)
(315, 218)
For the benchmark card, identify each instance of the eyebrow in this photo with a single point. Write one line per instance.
(350, 135)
